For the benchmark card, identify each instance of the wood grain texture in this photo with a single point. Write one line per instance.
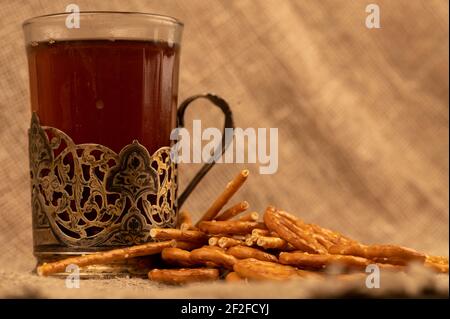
(362, 114)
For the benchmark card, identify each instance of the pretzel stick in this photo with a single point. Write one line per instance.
(356, 277)
(104, 257)
(271, 242)
(305, 260)
(233, 277)
(238, 237)
(437, 259)
(323, 236)
(184, 217)
(254, 269)
(227, 242)
(437, 263)
(185, 221)
(229, 227)
(389, 254)
(181, 257)
(332, 236)
(251, 240)
(223, 198)
(217, 256)
(243, 252)
(183, 276)
(391, 268)
(177, 257)
(172, 233)
(292, 230)
(249, 217)
(314, 235)
(187, 245)
(233, 211)
(261, 232)
(213, 241)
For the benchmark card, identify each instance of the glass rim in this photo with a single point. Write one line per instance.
(155, 16)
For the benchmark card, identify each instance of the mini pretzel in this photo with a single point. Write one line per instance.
(389, 254)
(233, 211)
(212, 254)
(172, 233)
(243, 252)
(104, 257)
(305, 260)
(229, 227)
(231, 188)
(183, 276)
(249, 217)
(254, 269)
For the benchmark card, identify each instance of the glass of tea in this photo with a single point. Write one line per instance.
(104, 88)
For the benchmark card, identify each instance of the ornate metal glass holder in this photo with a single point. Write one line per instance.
(87, 198)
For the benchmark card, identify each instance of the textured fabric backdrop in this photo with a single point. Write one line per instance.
(362, 114)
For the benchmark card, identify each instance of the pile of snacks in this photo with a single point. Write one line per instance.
(234, 245)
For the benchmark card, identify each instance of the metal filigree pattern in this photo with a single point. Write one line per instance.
(86, 197)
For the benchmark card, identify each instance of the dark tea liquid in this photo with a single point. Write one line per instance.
(106, 92)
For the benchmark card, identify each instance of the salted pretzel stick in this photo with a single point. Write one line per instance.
(305, 260)
(229, 227)
(233, 211)
(249, 217)
(213, 241)
(187, 245)
(233, 277)
(254, 269)
(390, 254)
(271, 242)
(227, 242)
(183, 276)
(243, 252)
(173, 233)
(177, 257)
(223, 198)
(104, 257)
(213, 254)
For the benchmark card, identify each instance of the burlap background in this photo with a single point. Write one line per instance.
(362, 114)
